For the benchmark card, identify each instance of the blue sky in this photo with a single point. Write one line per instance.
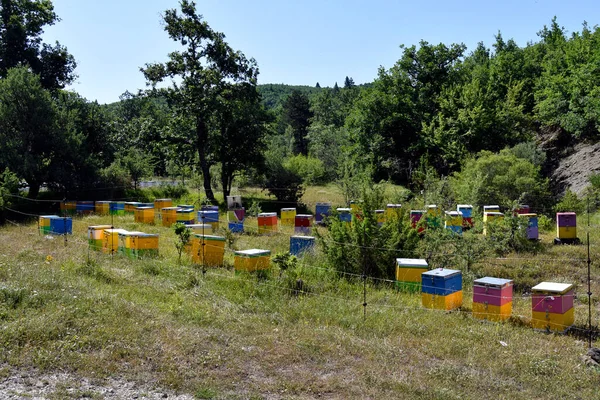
(294, 42)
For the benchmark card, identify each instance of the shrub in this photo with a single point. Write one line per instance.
(310, 169)
(570, 202)
(363, 246)
(501, 179)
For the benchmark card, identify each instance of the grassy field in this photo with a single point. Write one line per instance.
(226, 335)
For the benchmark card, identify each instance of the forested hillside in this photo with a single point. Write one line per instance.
(440, 110)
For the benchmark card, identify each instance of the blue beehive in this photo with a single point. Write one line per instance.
(84, 207)
(208, 207)
(61, 226)
(322, 211)
(208, 216)
(344, 214)
(441, 282)
(465, 209)
(301, 244)
(116, 208)
(236, 227)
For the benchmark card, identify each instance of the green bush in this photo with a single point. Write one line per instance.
(363, 246)
(570, 203)
(311, 170)
(500, 178)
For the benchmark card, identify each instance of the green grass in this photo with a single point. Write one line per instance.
(222, 335)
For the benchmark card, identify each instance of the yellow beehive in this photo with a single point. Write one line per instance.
(144, 215)
(288, 216)
(127, 242)
(96, 236)
(491, 218)
(208, 250)
(102, 207)
(439, 302)
(169, 216)
(552, 321)
(144, 245)
(566, 232)
(159, 204)
(380, 216)
(68, 207)
(110, 243)
(252, 260)
(492, 312)
(393, 210)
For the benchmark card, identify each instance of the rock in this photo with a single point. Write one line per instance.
(594, 354)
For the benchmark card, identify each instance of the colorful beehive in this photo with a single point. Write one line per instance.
(68, 207)
(408, 273)
(144, 245)
(159, 204)
(355, 207)
(201, 229)
(235, 219)
(169, 216)
(529, 225)
(110, 244)
(491, 218)
(84, 207)
(96, 236)
(288, 216)
(552, 306)
(380, 217)
(116, 208)
(415, 219)
(454, 221)
(492, 298)
(55, 225)
(301, 244)
(187, 206)
(434, 216)
(344, 214)
(185, 216)
(144, 215)
(44, 223)
(467, 214)
(303, 224)
(127, 242)
(209, 217)
(493, 208)
(522, 209)
(393, 210)
(566, 227)
(252, 260)
(102, 207)
(441, 289)
(209, 207)
(322, 211)
(208, 250)
(267, 222)
(130, 206)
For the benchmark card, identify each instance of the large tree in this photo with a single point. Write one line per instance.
(242, 130)
(22, 23)
(27, 127)
(297, 114)
(199, 73)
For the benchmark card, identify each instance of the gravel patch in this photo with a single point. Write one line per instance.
(31, 385)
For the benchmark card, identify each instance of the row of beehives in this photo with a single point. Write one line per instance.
(205, 249)
(551, 305)
(456, 221)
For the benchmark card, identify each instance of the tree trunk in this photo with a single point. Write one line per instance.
(34, 190)
(224, 183)
(202, 139)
